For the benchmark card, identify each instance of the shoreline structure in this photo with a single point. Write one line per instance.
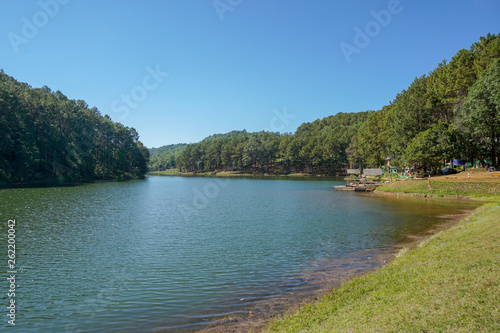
(321, 312)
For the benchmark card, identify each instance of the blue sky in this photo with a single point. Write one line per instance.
(179, 70)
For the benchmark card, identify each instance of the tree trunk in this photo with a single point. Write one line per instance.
(494, 150)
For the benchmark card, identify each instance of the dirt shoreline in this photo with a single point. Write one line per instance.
(324, 276)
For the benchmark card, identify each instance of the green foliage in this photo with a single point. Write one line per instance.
(320, 146)
(480, 115)
(453, 112)
(45, 137)
(372, 138)
(439, 117)
(430, 147)
(165, 157)
(460, 96)
(409, 116)
(230, 135)
(234, 151)
(450, 113)
(486, 50)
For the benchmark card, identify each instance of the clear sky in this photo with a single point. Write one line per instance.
(180, 70)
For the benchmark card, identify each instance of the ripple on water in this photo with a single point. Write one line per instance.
(128, 256)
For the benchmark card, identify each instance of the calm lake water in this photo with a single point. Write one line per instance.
(169, 253)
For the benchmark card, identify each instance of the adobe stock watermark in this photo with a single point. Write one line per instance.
(139, 93)
(280, 120)
(202, 197)
(223, 6)
(30, 28)
(372, 29)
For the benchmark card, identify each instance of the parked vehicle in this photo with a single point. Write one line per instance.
(449, 171)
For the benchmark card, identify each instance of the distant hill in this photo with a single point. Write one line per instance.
(165, 157)
(317, 147)
(230, 135)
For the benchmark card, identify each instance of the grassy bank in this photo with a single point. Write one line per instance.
(451, 282)
(477, 185)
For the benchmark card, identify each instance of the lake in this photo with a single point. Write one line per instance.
(176, 253)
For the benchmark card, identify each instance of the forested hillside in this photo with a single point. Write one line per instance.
(165, 157)
(320, 147)
(453, 112)
(46, 137)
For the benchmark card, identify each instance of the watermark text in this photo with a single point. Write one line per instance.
(31, 27)
(372, 29)
(11, 272)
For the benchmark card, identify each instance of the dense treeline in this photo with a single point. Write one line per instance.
(164, 157)
(439, 116)
(320, 147)
(46, 137)
(229, 135)
(244, 151)
(451, 113)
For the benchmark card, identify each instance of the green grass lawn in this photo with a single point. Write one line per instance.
(476, 190)
(450, 283)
